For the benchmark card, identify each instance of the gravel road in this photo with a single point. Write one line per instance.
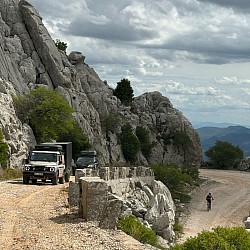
(231, 205)
(38, 217)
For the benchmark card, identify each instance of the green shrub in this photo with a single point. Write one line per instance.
(181, 138)
(178, 179)
(178, 138)
(61, 45)
(109, 123)
(145, 144)
(9, 174)
(129, 142)
(131, 226)
(4, 156)
(236, 238)
(178, 227)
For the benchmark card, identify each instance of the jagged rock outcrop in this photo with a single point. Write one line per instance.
(18, 136)
(29, 57)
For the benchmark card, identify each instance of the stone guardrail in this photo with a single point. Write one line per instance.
(113, 173)
(116, 178)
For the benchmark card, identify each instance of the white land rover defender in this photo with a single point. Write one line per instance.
(49, 161)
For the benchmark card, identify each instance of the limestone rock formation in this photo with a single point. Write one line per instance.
(29, 57)
(154, 206)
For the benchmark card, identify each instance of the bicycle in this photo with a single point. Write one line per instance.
(208, 206)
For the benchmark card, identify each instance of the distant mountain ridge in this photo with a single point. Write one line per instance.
(216, 124)
(237, 135)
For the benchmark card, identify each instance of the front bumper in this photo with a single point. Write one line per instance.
(39, 175)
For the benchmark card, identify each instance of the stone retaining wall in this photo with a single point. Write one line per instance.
(113, 192)
(116, 179)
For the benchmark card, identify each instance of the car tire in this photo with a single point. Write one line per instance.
(26, 179)
(61, 180)
(55, 179)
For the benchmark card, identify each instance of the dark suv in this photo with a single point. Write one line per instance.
(87, 159)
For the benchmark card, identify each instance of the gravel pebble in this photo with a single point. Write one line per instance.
(38, 217)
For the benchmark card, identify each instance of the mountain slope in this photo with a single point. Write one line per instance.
(237, 135)
(29, 58)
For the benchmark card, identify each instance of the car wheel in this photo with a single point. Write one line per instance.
(61, 180)
(26, 179)
(55, 179)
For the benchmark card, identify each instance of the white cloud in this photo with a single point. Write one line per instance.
(195, 52)
(232, 80)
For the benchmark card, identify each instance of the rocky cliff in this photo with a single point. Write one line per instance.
(29, 58)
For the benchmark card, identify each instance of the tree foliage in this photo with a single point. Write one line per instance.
(178, 138)
(61, 45)
(124, 92)
(224, 155)
(145, 144)
(177, 179)
(4, 156)
(48, 114)
(129, 142)
(222, 238)
(79, 141)
(109, 123)
(181, 138)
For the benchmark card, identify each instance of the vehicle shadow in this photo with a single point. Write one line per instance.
(20, 182)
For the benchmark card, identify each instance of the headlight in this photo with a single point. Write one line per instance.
(26, 168)
(52, 169)
(90, 166)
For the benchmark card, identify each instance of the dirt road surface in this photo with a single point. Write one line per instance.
(231, 205)
(38, 217)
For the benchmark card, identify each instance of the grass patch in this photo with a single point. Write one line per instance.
(133, 227)
(178, 227)
(9, 174)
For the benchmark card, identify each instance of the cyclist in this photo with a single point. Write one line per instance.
(209, 199)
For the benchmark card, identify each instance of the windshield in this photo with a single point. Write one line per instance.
(85, 160)
(35, 156)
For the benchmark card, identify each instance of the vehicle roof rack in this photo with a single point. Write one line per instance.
(48, 147)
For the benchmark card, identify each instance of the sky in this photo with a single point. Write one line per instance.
(195, 52)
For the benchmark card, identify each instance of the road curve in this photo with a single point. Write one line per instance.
(231, 205)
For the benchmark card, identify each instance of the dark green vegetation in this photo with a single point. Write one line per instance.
(224, 155)
(130, 143)
(133, 227)
(133, 143)
(50, 118)
(9, 174)
(178, 138)
(145, 144)
(124, 92)
(4, 156)
(237, 135)
(109, 123)
(235, 238)
(79, 140)
(179, 180)
(61, 45)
